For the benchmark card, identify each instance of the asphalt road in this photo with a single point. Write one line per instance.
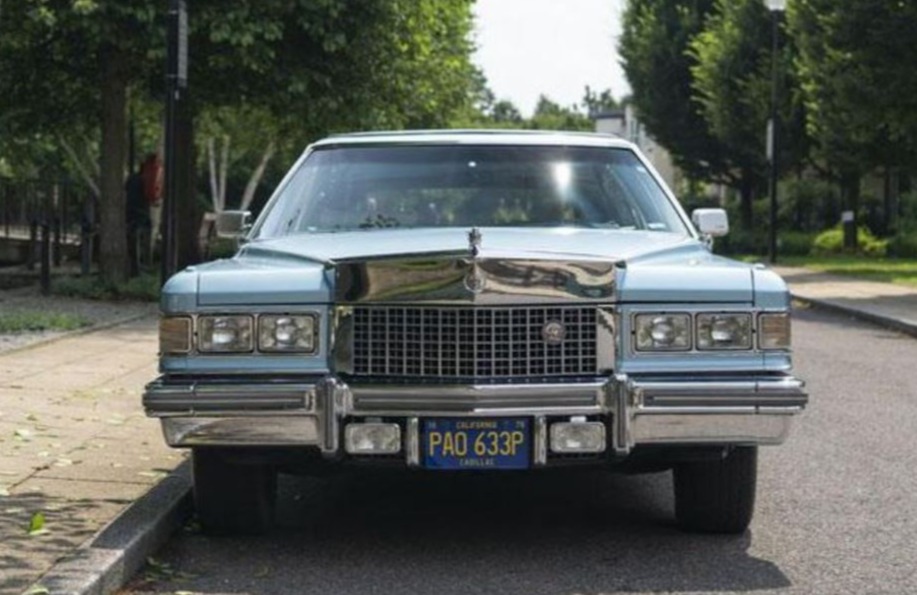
(836, 513)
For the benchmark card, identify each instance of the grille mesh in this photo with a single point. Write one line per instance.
(472, 342)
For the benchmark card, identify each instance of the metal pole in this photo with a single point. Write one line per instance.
(45, 271)
(773, 144)
(176, 80)
(168, 201)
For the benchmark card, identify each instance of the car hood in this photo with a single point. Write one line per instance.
(594, 264)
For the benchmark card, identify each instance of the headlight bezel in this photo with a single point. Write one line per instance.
(756, 318)
(198, 345)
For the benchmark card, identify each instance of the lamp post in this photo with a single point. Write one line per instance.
(176, 83)
(776, 7)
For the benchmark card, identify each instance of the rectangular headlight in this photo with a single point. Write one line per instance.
(774, 330)
(225, 334)
(662, 332)
(287, 333)
(724, 331)
(174, 335)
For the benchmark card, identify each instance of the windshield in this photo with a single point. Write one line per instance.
(353, 188)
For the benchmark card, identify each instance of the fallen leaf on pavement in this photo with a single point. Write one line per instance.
(37, 524)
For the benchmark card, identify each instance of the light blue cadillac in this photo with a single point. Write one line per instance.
(475, 301)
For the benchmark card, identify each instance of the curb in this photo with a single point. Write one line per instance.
(110, 558)
(877, 319)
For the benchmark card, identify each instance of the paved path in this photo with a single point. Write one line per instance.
(886, 303)
(75, 445)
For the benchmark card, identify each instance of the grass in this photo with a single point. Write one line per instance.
(144, 288)
(32, 320)
(890, 270)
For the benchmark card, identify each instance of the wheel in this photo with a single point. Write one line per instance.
(232, 497)
(717, 496)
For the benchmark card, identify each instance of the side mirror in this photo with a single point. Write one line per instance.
(711, 222)
(233, 224)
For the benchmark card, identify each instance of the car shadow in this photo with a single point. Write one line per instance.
(416, 532)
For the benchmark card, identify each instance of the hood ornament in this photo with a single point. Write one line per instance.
(474, 241)
(474, 278)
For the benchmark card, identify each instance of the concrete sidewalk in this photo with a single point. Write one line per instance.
(890, 305)
(75, 445)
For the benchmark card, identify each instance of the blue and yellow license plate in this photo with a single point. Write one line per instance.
(501, 443)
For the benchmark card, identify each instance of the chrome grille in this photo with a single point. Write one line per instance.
(472, 342)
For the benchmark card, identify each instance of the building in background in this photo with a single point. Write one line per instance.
(625, 124)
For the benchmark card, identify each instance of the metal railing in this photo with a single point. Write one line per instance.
(48, 216)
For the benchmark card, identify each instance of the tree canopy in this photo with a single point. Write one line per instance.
(70, 67)
(654, 47)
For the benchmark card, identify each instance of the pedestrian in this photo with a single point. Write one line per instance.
(152, 173)
(139, 224)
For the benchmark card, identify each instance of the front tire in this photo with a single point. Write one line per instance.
(232, 497)
(717, 496)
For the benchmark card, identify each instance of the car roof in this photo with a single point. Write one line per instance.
(476, 137)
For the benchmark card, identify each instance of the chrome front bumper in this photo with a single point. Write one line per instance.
(660, 410)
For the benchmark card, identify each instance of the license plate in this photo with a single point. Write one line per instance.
(502, 443)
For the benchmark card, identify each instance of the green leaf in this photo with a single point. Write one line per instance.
(37, 589)
(37, 524)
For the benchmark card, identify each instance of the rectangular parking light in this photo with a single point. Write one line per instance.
(174, 335)
(774, 330)
(372, 438)
(577, 437)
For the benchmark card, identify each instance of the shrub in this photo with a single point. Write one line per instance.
(831, 242)
(795, 243)
(807, 204)
(144, 288)
(740, 242)
(903, 245)
(32, 320)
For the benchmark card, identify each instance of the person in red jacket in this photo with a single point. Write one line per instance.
(151, 172)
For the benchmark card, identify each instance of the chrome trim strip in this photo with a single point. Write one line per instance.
(606, 332)
(164, 400)
(540, 439)
(330, 409)
(412, 442)
(397, 399)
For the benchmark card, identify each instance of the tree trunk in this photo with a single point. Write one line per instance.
(746, 200)
(112, 209)
(888, 203)
(187, 211)
(850, 198)
(256, 176)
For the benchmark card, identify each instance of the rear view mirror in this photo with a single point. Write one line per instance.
(711, 222)
(233, 224)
